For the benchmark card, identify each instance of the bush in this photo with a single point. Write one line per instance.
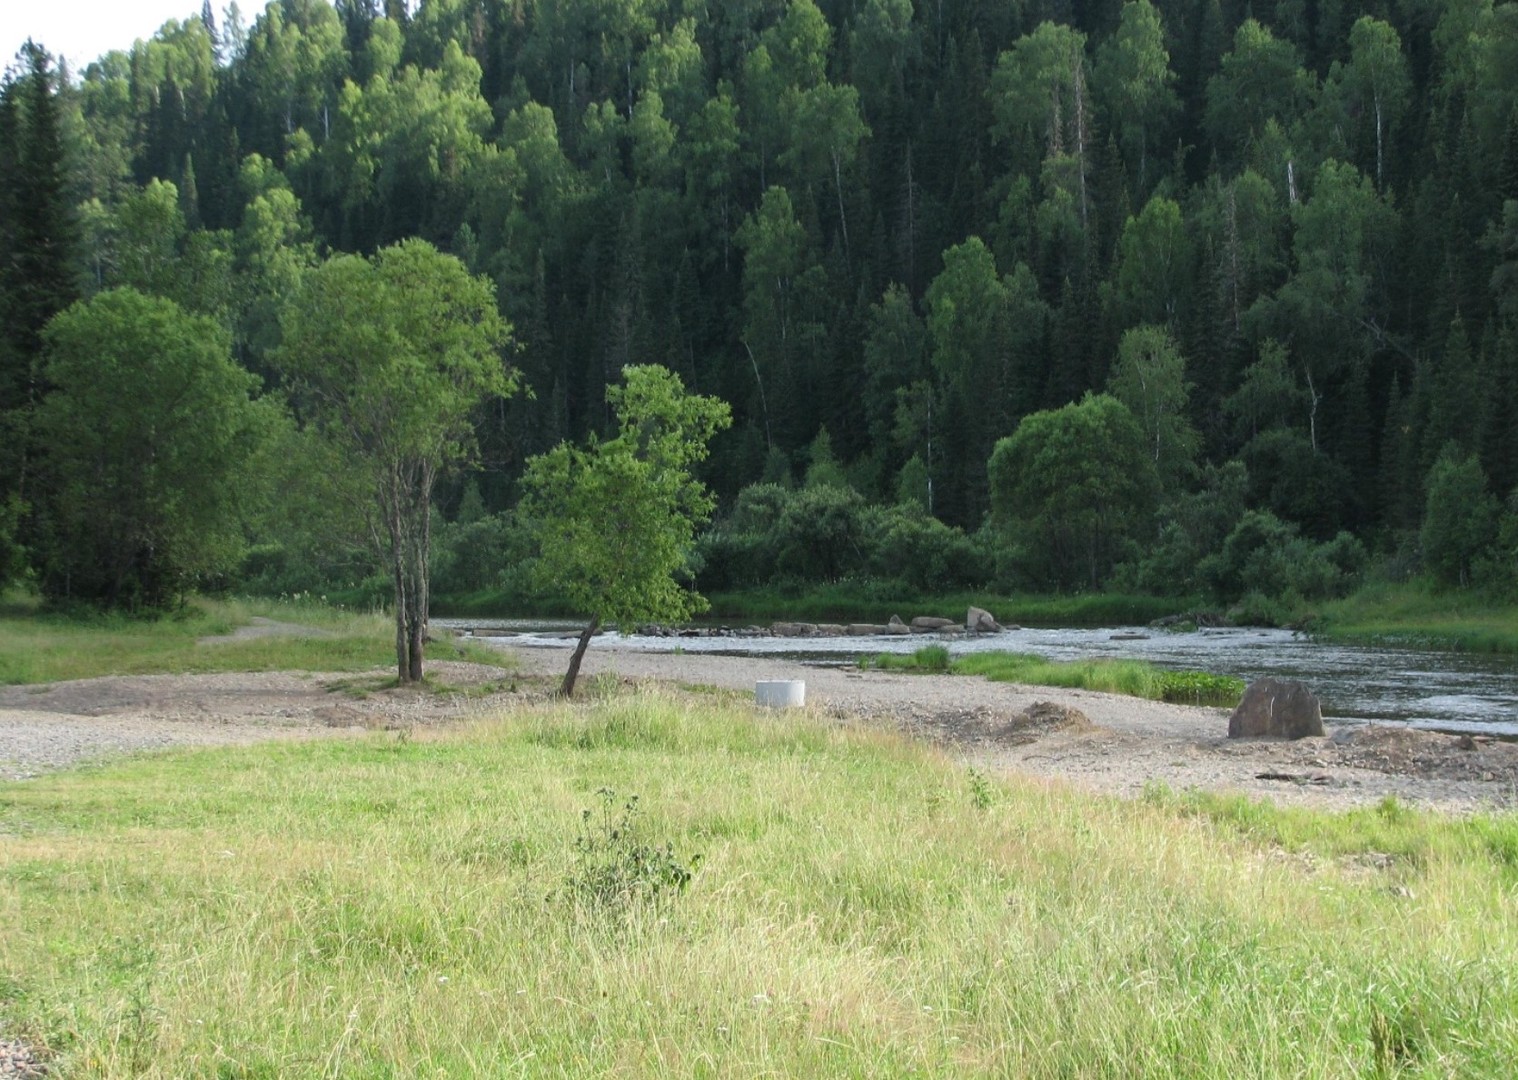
(821, 534)
(490, 552)
(922, 553)
(1268, 558)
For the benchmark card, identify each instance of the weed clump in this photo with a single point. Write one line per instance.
(615, 869)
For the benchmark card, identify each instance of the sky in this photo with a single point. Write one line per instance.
(82, 30)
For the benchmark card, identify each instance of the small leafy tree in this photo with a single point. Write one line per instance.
(390, 357)
(616, 520)
(1460, 517)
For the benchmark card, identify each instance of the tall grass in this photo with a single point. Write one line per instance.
(38, 646)
(861, 907)
(1418, 613)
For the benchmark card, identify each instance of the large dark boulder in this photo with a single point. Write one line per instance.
(1276, 708)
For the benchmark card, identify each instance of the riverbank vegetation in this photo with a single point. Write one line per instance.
(1224, 312)
(1419, 613)
(645, 883)
(1136, 678)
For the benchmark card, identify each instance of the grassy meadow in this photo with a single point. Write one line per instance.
(41, 646)
(787, 896)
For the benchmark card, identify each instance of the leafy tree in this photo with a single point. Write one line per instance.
(1374, 85)
(150, 433)
(390, 357)
(1150, 378)
(1071, 487)
(1134, 80)
(1459, 518)
(1261, 80)
(1154, 258)
(821, 534)
(616, 521)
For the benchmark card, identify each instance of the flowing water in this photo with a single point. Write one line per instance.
(1450, 691)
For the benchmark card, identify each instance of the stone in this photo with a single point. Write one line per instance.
(896, 626)
(926, 624)
(1276, 708)
(979, 621)
(866, 630)
(830, 630)
(794, 629)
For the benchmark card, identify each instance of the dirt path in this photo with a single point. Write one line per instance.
(1127, 743)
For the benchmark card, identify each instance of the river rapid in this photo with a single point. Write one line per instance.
(1430, 688)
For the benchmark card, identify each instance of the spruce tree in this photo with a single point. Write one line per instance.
(38, 232)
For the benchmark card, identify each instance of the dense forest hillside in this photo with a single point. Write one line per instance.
(1177, 295)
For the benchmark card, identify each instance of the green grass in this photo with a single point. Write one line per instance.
(1391, 832)
(1417, 613)
(1135, 678)
(442, 905)
(37, 646)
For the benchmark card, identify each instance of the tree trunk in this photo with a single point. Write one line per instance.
(843, 218)
(568, 687)
(407, 499)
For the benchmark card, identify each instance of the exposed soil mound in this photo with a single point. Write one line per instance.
(1428, 755)
(1044, 718)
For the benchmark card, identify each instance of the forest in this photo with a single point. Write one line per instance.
(1193, 298)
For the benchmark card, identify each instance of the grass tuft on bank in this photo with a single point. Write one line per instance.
(1135, 678)
(787, 896)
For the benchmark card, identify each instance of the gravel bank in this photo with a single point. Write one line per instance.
(1128, 744)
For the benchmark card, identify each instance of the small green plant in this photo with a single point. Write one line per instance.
(614, 868)
(980, 790)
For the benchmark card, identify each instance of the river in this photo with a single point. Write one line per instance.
(1448, 691)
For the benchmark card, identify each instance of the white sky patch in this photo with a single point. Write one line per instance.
(83, 30)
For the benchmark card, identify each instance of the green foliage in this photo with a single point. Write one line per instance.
(827, 533)
(1459, 519)
(911, 226)
(152, 439)
(930, 658)
(1134, 678)
(391, 357)
(1150, 379)
(616, 522)
(1200, 688)
(1070, 488)
(1267, 557)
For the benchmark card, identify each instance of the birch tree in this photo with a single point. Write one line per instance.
(390, 357)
